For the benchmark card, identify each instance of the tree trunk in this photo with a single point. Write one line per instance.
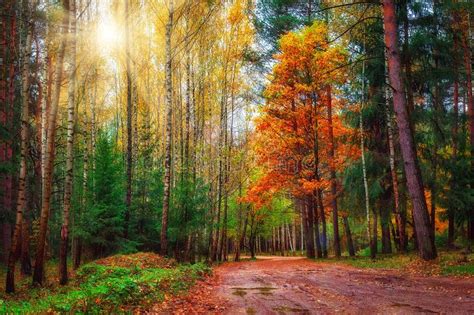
(22, 180)
(77, 253)
(455, 130)
(335, 218)
(301, 234)
(385, 227)
(308, 211)
(425, 237)
(317, 178)
(374, 239)
(324, 239)
(63, 276)
(8, 47)
(239, 225)
(347, 229)
(25, 248)
(129, 154)
(293, 231)
(364, 167)
(169, 116)
(38, 274)
(399, 220)
(470, 106)
(314, 208)
(407, 60)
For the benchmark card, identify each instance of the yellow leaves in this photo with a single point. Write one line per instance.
(307, 61)
(235, 13)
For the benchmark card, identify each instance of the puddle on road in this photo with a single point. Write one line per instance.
(240, 292)
(261, 290)
(251, 311)
(414, 307)
(290, 309)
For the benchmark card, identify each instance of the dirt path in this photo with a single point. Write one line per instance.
(295, 285)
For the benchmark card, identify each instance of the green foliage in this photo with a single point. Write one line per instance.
(100, 288)
(280, 212)
(147, 194)
(189, 206)
(101, 227)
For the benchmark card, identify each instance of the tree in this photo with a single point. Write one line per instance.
(293, 125)
(22, 178)
(424, 233)
(102, 226)
(169, 113)
(38, 274)
(129, 155)
(63, 278)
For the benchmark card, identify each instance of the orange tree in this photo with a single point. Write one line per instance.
(301, 141)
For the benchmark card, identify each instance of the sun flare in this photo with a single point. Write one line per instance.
(109, 34)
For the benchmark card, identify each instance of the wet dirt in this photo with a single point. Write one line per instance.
(287, 285)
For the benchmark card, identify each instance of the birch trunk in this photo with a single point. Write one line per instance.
(63, 275)
(169, 116)
(364, 167)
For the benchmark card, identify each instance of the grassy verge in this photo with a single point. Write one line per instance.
(99, 288)
(447, 263)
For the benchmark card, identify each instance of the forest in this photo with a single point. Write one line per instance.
(144, 140)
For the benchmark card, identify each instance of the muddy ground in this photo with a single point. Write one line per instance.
(284, 285)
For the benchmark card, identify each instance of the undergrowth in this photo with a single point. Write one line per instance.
(109, 289)
(448, 263)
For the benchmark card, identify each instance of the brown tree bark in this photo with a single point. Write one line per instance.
(8, 45)
(335, 216)
(25, 248)
(470, 103)
(318, 192)
(22, 180)
(385, 227)
(306, 208)
(399, 219)
(317, 239)
(38, 274)
(455, 130)
(324, 242)
(374, 238)
(347, 229)
(425, 237)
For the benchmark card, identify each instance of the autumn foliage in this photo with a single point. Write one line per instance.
(292, 131)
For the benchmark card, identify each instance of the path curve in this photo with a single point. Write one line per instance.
(288, 285)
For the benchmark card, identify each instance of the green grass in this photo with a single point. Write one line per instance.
(106, 289)
(459, 270)
(381, 262)
(447, 263)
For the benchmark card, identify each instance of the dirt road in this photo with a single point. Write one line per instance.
(295, 285)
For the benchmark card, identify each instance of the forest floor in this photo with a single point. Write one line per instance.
(285, 285)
